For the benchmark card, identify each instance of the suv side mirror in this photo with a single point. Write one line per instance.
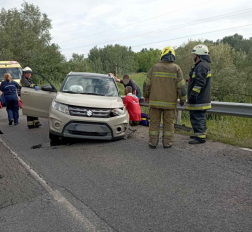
(48, 88)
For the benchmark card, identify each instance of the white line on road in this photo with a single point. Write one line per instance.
(246, 149)
(58, 197)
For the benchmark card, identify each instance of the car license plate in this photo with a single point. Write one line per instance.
(88, 128)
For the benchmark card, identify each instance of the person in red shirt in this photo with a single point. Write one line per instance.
(131, 103)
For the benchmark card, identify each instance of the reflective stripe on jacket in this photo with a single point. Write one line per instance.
(164, 84)
(200, 86)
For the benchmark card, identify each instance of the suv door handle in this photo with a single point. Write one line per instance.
(25, 93)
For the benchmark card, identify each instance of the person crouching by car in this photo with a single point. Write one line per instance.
(9, 89)
(26, 81)
(131, 103)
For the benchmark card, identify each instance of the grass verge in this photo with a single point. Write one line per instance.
(226, 129)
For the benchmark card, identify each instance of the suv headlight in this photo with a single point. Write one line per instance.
(118, 112)
(60, 107)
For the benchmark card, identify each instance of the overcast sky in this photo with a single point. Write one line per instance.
(79, 25)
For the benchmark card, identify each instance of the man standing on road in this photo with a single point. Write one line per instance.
(199, 93)
(126, 81)
(32, 122)
(131, 103)
(162, 87)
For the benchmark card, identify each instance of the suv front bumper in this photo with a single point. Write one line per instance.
(87, 127)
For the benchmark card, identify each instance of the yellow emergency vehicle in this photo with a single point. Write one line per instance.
(12, 67)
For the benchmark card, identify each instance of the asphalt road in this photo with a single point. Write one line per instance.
(122, 185)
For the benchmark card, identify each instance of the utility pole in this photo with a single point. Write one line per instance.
(115, 69)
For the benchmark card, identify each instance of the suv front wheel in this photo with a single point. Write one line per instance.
(53, 137)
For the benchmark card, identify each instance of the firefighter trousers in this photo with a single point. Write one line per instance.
(198, 121)
(155, 116)
(32, 121)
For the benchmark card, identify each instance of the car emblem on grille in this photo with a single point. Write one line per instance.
(89, 113)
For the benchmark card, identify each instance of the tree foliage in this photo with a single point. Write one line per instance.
(103, 60)
(146, 58)
(237, 42)
(25, 37)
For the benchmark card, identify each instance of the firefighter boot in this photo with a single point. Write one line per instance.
(167, 142)
(37, 125)
(197, 141)
(152, 147)
(193, 136)
(31, 126)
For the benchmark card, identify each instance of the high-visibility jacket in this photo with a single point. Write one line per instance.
(164, 85)
(200, 86)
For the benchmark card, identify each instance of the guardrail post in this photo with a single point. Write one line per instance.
(178, 120)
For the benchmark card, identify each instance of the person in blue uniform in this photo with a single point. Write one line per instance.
(9, 89)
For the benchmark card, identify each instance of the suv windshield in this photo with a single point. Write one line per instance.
(16, 73)
(90, 85)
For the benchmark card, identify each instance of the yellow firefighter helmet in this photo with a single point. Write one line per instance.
(167, 50)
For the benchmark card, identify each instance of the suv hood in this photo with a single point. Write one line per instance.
(91, 101)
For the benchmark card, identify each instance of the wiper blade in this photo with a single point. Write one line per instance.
(70, 92)
(98, 94)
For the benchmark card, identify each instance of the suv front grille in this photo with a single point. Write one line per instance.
(88, 133)
(89, 112)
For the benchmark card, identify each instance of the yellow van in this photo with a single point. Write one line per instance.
(12, 67)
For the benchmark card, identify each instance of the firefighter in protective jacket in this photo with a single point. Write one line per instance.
(32, 122)
(199, 93)
(162, 88)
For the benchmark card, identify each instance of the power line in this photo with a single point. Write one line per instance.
(192, 35)
(135, 22)
(169, 28)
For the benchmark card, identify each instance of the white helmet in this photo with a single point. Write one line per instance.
(27, 69)
(200, 50)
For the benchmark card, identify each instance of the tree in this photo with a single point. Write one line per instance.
(238, 42)
(104, 59)
(25, 37)
(78, 64)
(147, 58)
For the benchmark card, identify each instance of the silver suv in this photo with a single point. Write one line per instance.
(87, 106)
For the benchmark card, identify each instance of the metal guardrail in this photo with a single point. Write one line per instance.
(224, 108)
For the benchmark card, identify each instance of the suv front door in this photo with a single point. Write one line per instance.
(37, 102)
